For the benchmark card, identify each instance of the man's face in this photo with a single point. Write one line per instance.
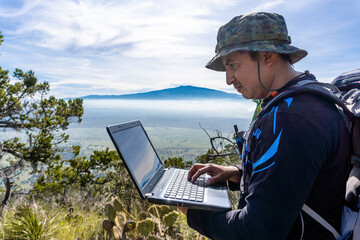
(242, 73)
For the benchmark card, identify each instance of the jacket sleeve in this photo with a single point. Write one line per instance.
(285, 167)
(235, 186)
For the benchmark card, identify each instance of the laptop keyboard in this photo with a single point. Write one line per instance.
(181, 188)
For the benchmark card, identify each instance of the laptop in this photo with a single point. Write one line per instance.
(160, 185)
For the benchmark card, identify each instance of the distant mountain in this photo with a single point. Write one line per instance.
(177, 93)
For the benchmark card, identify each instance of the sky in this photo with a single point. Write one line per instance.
(87, 47)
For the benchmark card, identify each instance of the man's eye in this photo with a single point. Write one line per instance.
(233, 66)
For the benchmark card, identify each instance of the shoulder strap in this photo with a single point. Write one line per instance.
(324, 90)
(320, 220)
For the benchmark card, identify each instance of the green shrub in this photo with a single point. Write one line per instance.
(29, 222)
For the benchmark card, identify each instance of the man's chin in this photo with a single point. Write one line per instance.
(244, 95)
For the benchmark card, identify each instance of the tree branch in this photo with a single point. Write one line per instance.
(10, 169)
(98, 183)
(8, 124)
(8, 185)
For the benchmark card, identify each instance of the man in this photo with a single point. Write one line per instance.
(296, 153)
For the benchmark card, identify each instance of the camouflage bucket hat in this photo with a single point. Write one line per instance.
(263, 32)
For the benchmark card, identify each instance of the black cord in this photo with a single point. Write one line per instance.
(268, 89)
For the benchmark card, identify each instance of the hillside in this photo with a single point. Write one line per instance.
(181, 92)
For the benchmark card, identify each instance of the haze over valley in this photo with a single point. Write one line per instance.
(172, 125)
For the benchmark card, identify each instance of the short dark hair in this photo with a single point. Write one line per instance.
(254, 55)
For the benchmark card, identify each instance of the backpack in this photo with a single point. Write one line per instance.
(344, 91)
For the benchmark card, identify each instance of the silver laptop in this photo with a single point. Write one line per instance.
(160, 185)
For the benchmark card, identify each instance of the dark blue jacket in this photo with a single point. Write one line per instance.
(299, 153)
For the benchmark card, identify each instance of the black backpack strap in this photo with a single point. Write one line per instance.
(325, 90)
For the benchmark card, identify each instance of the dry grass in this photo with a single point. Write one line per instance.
(76, 222)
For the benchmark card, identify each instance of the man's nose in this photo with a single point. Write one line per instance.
(230, 77)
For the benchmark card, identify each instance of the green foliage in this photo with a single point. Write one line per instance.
(110, 212)
(258, 103)
(30, 223)
(73, 218)
(142, 215)
(171, 218)
(155, 210)
(204, 157)
(118, 206)
(82, 221)
(152, 237)
(145, 227)
(177, 162)
(165, 210)
(26, 107)
(103, 173)
(129, 226)
(156, 222)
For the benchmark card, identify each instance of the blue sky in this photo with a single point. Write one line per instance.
(87, 47)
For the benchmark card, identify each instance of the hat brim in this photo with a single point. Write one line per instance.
(296, 54)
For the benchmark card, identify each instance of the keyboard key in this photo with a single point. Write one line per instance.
(181, 188)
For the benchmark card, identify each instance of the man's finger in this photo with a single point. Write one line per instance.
(194, 169)
(199, 172)
(213, 180)
(209, 181)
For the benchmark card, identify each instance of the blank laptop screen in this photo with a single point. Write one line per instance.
(139, 154)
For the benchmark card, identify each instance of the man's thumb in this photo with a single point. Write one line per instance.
(210, 181)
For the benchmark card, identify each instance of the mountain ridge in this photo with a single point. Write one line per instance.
(180, 92)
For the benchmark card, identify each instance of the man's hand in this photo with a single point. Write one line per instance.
(218, 173)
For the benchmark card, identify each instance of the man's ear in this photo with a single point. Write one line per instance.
(268, 57)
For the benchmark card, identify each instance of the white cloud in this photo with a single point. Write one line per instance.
(143, 26)
(119, 47)
(111, 47)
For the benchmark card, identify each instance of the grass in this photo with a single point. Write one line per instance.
(28, 220)
(80, 224)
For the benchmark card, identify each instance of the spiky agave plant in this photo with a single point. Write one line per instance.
(29, 222)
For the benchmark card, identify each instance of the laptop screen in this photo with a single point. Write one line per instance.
(138, 153)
